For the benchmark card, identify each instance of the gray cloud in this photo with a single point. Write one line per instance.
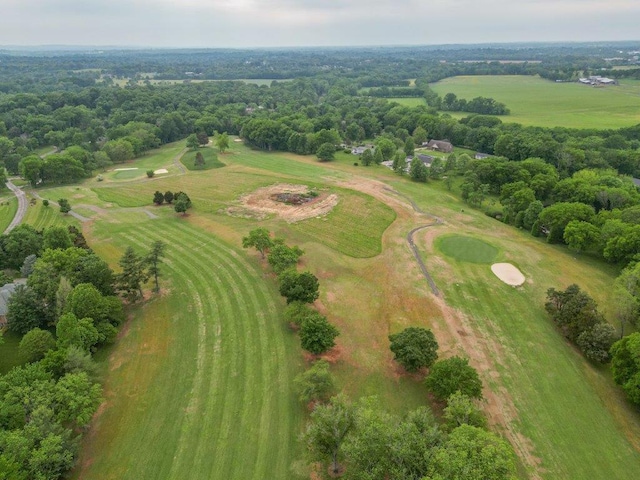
(243, 23)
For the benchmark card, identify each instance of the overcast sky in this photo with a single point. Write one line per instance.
(267, 23)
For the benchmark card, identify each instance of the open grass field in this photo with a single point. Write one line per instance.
(535, 101)
(210, 159)
(209, 364)
(409, 102)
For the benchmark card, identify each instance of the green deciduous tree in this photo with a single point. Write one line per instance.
(471, 453)
(452, 375)
(418, 170)
(158, 198)
(56, 237)
(461, 410)
(65, 206)
(25, 311)
(367, 157)
(317, 335)
(222, 142)
(414, 348)
(301, 287)
(326, 152)
(281, 257)
(315, 384)
(573, 310)
(260, 239)
(329, 427)
(35, 344)
(596, 342)
(625, 365)
(192, 142)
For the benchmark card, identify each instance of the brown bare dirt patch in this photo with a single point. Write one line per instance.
(290, 202)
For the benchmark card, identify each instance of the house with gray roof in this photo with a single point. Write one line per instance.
(440, 146)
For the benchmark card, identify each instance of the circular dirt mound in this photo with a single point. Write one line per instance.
(508, 273)
(291, 202)
(467, 249)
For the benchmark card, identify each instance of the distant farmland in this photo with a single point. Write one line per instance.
(534, 101)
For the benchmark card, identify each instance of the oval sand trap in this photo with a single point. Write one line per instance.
(508, 274)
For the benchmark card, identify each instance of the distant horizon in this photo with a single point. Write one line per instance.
(62, 46)
(242, 24)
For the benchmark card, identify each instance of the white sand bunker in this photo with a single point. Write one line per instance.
(508, 274)
(125, 169)
(264, 201)
(161, 171)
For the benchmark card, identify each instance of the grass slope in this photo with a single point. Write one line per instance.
(534, 101)
(210, 159)
(202, 380)
(354, 227)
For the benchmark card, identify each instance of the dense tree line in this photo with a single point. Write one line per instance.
(65, 311)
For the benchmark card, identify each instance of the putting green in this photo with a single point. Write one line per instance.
(467, 249)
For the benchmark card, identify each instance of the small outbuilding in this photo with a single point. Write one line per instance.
(6, 291)
(440, 146)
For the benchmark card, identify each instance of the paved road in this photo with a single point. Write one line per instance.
(72, 213)
(22, 206)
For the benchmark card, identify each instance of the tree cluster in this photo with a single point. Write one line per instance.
(365, 442)
(576, 315)
(299, 289)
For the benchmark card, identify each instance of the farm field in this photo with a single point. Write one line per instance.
(535, 101)
(409, 102)
(181, 394)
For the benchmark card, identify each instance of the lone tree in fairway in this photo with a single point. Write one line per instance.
(414, 348)
(65, 206)
(301, 287)
(154, 259)
(258, 238)
(222, 142)
(452, 375)
(317, 335)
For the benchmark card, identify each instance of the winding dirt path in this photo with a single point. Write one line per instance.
(22, 206)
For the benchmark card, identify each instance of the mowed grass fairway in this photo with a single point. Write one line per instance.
(565, 408)
(200, 384)
(535, 101)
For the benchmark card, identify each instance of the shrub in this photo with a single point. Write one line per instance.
(150, 173)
